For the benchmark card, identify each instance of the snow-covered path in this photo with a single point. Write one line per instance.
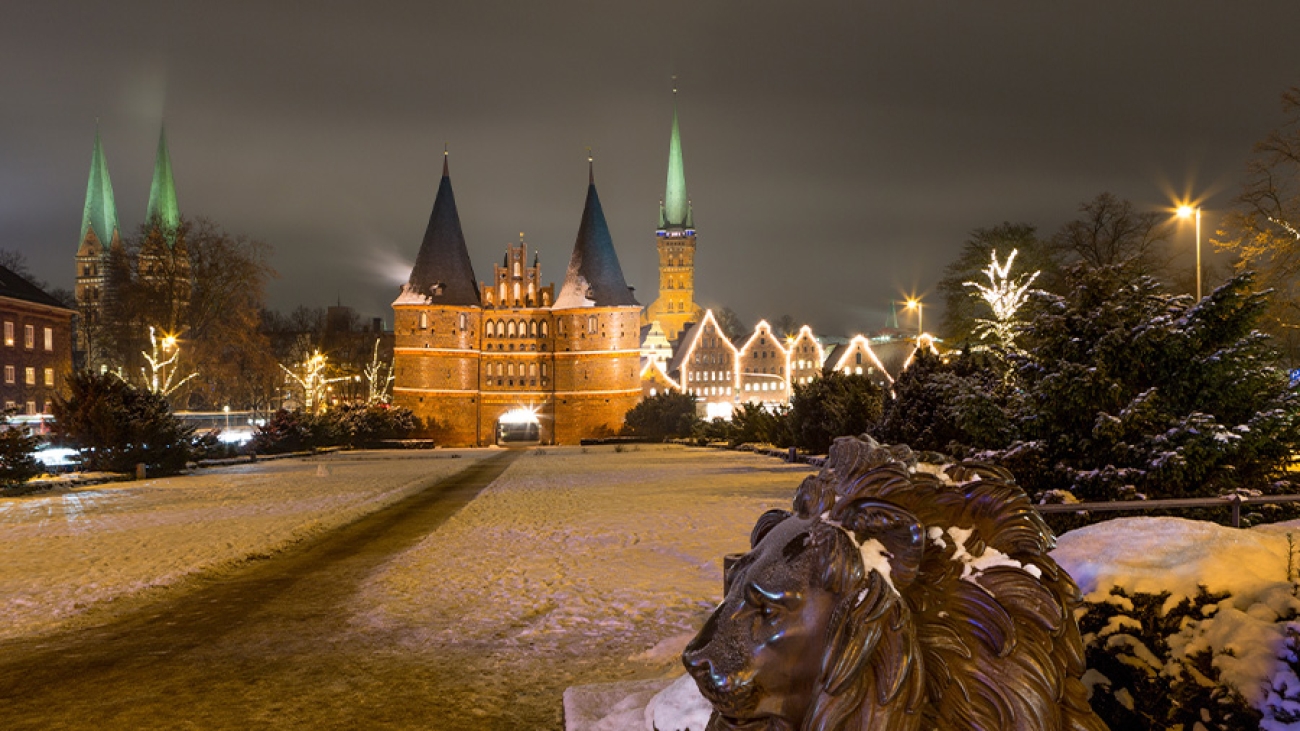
(67, 553)
(575, 566)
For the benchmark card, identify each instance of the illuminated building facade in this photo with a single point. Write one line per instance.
(767, 368)
(483, 363)
(36, 352)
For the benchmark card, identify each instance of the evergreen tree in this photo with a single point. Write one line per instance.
(664, 415)
(17, 447)
(1126, 389)
(834, 405)
(952, 407)
(116, 426)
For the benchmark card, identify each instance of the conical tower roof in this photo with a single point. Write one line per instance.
(442, 271)
(594, 277)
(100, 214)
(163, 212)
(676, 206)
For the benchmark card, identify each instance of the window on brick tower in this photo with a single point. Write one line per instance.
(544, 328)
(591, 323)
(491, 329)
(510, 328)
(464, 321)
(424, 321)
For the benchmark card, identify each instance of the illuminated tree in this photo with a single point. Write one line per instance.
(379, 378)
(1005, 296)
(1264, 231)
(160, 374)
(309, 376)
(961, 311)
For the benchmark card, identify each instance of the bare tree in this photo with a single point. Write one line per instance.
(1264, 230)
(730, 324)
(1110, 232)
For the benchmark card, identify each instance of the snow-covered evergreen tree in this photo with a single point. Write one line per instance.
(1125, 389)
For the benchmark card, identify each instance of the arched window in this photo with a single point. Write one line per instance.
(523, 328)
(503, 293)
(510, 328)
(544, 328)
(516, 268)
(532, 370)
(532, 290)
(516, 288)
(532, 328)
(546, 299)
(464, 321)
(491, 329)
(424, 321)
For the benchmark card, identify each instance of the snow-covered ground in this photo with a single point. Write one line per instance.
(66, 551)
(578, 565)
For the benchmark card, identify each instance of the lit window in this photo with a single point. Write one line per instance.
(49, 338)
(9, 405)
(653, 392)
(31, 408)
(591, 323)
(491, 329)
(424, 321)
(30, 376)
(29, 336)
(464, 321)
(544, 328)
(9, 374)
(9, 334)
(49, 376)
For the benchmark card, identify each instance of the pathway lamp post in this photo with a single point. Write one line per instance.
(1188, 212)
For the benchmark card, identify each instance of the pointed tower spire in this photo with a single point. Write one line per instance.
(163, 210)
(442, 271)
(676, 205)
(594, 277)
(100, 213)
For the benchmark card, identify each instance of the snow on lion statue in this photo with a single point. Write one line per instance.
(898, 595)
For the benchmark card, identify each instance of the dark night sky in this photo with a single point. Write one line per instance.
(837, 154)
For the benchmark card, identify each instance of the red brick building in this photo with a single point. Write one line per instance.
(36, 345)
(486, 363)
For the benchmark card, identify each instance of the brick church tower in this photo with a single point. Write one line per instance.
(675, 307)
(99, 237)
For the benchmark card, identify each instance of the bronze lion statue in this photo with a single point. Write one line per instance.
(898, 595)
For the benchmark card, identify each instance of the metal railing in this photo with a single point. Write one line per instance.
(1234, 502)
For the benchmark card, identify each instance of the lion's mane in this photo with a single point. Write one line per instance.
(983, 636)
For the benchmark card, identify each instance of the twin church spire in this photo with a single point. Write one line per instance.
(100, 213)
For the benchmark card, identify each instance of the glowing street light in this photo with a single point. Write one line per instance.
(1188, 212)
(915, 304)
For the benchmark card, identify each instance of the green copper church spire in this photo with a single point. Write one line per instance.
(100, 214)
(163, 210)
(676, 206)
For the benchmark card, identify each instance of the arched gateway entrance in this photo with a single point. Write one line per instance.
(517, 427)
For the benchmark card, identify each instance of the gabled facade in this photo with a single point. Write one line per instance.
(806, 357)
(764, 368)
(479, 362)
(705, 365)
(857, 358)
(655, 345)
(655, 380)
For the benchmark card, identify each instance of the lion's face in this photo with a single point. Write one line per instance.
(760, 655)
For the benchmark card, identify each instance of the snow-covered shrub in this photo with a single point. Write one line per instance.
(1187, 624)
(363, 425)
(116, 426)
(285, 431)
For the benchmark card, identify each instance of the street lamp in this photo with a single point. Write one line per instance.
(915, 304)
(1188, 212)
